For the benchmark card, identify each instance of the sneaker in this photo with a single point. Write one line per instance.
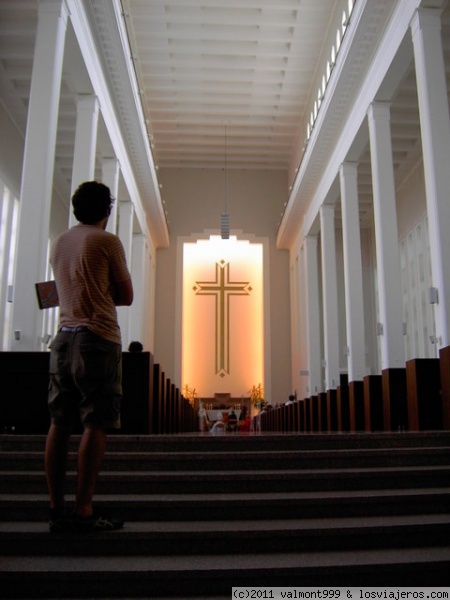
(59, 521)
(95, 523)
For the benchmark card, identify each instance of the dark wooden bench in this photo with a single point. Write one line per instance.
(151, 404)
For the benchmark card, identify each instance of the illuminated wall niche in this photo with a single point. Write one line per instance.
(222, 316)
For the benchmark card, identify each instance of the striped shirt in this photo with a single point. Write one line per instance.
(87, 262)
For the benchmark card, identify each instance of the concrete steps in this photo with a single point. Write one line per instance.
(249, 506)
(245, 442)
(205, 514)
(141, 538)
(214, 575)
(282, 480)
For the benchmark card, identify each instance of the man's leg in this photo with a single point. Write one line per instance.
(90, 458)
(56, 450)
(99, 385)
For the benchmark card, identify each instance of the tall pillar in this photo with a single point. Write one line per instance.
(110, 177)
(126, 214)
(354, 302)
(313, 314)
(330, 296)
(303, 317)
(387, 248)
(37, 173)
(148, 317)
(296, 323)
(435, 130)
(85, 144)
(6, 219)
(139, 275)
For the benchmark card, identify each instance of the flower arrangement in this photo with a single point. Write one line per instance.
(190, 394)
(257, 395)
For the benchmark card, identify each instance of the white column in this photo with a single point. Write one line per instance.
(85, 144)
(354, 301)
(390, 328)
(37, 173)
(149, 295)
(296, 333)
(303, 316)
(6, 220)
(313, 314)
(330, 296)
(435, 129)
(110, 177)
(140, 277)
(126, 214)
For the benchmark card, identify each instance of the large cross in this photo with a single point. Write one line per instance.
(222, 289)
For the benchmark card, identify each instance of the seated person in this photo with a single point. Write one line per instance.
(135, 347)
(232, 421)
(244, 425)
(220, 426)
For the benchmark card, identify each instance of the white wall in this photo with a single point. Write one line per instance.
(194, 199)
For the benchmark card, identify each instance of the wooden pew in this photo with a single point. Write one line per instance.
(137, 383)
(423, 392)
(356, 405)
(343, 404)
(23, 403)
(307, 415)
(158, 398)
(296, 426)
(301, 415)
(24, 381)
(395, 411)
(444, 363)
(332, 410)
(322, 411)
(373, 403)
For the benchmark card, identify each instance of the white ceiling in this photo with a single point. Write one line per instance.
(222, 82)
(226, 80)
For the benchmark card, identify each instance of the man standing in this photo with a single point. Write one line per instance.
(92, 278)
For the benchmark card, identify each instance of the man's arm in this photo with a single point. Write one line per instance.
(123, 293)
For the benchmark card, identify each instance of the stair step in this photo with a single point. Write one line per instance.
(138, 482)
(138, 507)
(204, 537)
(204, 514)
(248, 460)
(120, 576)
(196, 442)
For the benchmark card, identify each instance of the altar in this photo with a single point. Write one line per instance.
(224, 403)
(216, 415)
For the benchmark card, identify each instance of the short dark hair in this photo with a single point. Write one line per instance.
(92, 202)
(135, 347)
